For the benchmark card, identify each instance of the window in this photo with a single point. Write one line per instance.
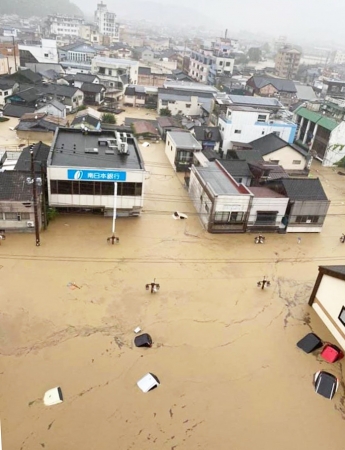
(184, 156)
(11, 216)
(341, 316)
(227, 63)
(188, 105)
(296, 161)
(229, 217)
(207, 209)
(274, 161)
(164, 102)
(262, 118)
(25, 215)
(263, 132)
(46, 55)
(266, 217)
(238, 131)
(307, 219)
(220, 63)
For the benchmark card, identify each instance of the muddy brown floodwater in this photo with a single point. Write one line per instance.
(224, 350)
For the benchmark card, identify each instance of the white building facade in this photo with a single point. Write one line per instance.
(244, 124)
(64, 25)
(76, 180)
(115, 73)
(44, 53)
(106, 22)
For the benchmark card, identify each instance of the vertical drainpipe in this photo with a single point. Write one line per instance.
(250, 203)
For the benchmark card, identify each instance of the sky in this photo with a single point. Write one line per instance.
(297, 19)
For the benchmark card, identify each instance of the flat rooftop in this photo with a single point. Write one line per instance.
(220, 183)
(184, 140)
(68, 150)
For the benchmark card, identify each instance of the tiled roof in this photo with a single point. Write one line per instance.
(12, 110)
(268, 144)
(281, 84)
(144, 127)
(236, 168)
(41, 152)
(14, 187)
(304, 189)
(92, 87)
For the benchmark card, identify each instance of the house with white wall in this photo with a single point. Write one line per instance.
(274, 149)
(45, 53)
(223, 204)
(245, 124)
(328, 300)
(184, 102)
(267, 210)
(180, 147)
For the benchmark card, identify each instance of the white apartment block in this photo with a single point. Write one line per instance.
(64, 25)
(106, 22)
(245, 124)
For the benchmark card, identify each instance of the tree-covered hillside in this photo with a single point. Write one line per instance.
(41, 8)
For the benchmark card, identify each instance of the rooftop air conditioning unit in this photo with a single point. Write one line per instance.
(123, 148)
(30, 224)
(91, 150)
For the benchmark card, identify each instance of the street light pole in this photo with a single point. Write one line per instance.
(113, 239)
(34, 191)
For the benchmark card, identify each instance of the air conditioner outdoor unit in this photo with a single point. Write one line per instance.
(30, 224)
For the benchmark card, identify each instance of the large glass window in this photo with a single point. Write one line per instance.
(266, 217)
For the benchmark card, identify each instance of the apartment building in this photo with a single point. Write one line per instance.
(287, 62)
(63, 25)
(206, 64)
(106, 22)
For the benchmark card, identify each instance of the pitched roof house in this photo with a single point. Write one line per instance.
(308, 203)
(289, 156)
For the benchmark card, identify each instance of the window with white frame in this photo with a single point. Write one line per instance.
(296, 161)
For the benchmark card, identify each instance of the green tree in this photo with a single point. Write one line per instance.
(165, 112)
(108, 118)
(254, 54)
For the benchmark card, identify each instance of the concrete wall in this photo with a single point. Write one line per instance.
(36, 136)
(200, 199)
(286, 157)
(242, 126)
(17, 208)
(180, 107)
(336, 146)
(329, 300)
(268, 204)
(170, 150)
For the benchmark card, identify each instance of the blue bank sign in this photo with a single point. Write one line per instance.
(95, 175)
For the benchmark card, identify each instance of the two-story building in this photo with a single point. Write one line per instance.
(265, 86)
(85, 170)
(245, 124)
(187, 103)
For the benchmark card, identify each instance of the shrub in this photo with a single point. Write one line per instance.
(108, 118)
